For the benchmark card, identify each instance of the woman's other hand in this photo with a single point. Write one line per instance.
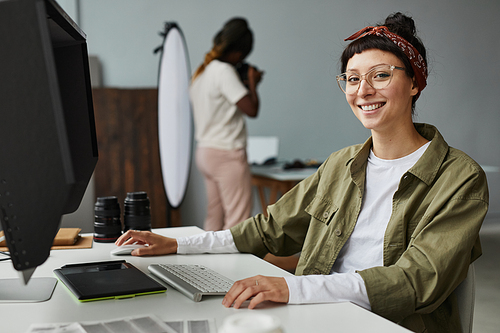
(157, 244)
(261, 288)
(254, 77)
(249, 104)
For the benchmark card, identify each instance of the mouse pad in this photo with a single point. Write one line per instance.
(104, 280)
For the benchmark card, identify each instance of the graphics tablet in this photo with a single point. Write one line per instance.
(104, 280)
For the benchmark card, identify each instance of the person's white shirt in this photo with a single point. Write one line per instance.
(219, 123)
(364, 248)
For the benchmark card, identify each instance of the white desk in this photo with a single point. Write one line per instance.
(63, 306)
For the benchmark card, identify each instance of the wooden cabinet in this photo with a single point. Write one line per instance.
(127, 136)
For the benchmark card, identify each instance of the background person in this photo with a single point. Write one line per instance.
(220, 103)
(391, 225)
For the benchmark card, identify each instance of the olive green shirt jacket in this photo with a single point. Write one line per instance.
(431, 238)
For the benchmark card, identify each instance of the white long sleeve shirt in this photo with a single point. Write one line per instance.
(362, 250)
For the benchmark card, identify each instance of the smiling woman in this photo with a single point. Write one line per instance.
(399, 38)
(384, 107)
(391, 225)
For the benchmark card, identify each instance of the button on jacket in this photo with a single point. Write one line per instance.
(431, 238)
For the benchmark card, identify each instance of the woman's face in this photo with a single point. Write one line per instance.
(383, 109)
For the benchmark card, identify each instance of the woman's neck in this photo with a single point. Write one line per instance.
(397, 143)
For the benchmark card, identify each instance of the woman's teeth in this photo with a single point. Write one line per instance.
(370, 107)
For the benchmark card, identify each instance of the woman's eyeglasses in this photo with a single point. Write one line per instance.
(378, 77)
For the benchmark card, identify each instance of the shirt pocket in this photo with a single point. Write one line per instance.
(322, 209)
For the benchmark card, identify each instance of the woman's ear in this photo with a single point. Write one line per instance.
(414, 86)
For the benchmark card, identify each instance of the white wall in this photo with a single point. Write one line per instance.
(298, 44)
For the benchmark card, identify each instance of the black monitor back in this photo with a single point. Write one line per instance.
(48, 146)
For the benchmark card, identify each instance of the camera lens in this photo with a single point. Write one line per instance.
(137, 213)
(242, 69)
(107, 224)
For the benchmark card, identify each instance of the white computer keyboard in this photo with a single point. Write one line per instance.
(194, 281)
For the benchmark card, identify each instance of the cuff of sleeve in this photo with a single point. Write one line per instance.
(338, 287)
(389, 291)
(248, 239)
(293, 290)
(207, 242)
(182, 245)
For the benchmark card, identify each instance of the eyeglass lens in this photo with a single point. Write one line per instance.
(378, 78)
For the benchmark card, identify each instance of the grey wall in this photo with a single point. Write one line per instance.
(298, 44)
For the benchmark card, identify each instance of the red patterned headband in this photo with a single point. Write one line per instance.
(416, 60)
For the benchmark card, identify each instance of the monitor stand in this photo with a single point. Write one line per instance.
(37, 290)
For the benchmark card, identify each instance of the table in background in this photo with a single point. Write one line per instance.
(277, 179)
(172, 305)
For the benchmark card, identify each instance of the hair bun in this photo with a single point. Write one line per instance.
(232, 30)
(401, 25)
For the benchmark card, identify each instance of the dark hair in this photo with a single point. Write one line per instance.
(235, 35)
(399, 24)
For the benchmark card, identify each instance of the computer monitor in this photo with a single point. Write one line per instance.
(48, 146)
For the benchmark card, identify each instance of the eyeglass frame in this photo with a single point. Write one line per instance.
(363, 77)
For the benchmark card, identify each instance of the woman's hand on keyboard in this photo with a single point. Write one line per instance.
(261, 288)
(157, 244)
